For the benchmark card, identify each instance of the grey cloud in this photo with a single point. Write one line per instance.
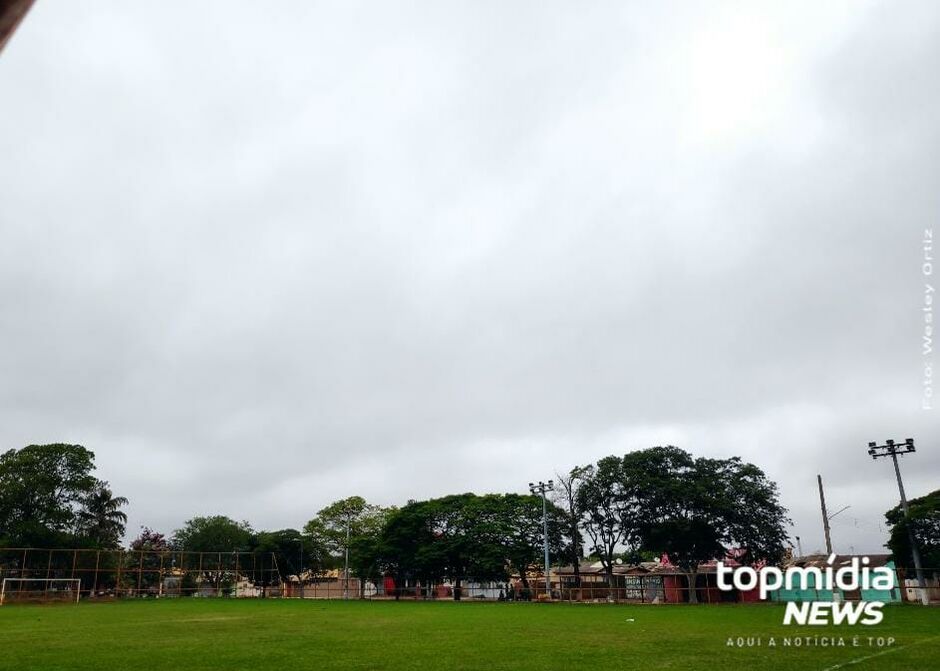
(259, 260)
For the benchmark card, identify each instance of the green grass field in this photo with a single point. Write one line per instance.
(291, 634)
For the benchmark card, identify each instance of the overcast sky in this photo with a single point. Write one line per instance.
(261, 256)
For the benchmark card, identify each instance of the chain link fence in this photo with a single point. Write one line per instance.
(99, 574)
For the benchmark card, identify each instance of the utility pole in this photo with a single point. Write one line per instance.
(346, 566)
(542, 488)
(825, 516)
(892, 449)
(300, 571)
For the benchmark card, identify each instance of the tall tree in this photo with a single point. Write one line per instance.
(351, 525)
(212, 543)
(42, 489)
(566, 497)
(101, 519)
(923, 520)
(294, 552)
(695, 510)
(518, 536)
(465, 537)
(399, 548)
(606, 513)
(215, 533)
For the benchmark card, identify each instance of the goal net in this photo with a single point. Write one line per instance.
(37, 590)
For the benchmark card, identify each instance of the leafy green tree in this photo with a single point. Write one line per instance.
(518, 536)
(216, 533)
(101, 519)
(398, 549)
(467, 537)
(42, 488)
(696, 509)
(923, 520)
(214, 540)
(294, 552)
(607, 516)
(349, 525)
(436, 540)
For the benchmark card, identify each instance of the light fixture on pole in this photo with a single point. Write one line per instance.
(892, 449)
(542, 488)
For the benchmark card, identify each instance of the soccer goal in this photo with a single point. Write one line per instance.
(40, 590)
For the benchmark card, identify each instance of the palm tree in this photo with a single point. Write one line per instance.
(101, 520)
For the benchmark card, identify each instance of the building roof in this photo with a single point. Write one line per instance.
(821, 560)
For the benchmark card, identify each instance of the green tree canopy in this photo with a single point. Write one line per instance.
(296, 553)
(351, 524)
(606, 515)
(216, 533)
(696, 509)
(353, 515)
(101, 519)
(49, 497)
(468, 537)
(923, 521)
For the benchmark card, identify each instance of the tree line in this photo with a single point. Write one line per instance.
(647, 503)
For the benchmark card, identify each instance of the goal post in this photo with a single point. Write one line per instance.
(40, 590)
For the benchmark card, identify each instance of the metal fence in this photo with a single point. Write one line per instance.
(104, 574)
(146, 573)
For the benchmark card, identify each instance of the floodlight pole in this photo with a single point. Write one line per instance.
(892, 449)
(542, 488)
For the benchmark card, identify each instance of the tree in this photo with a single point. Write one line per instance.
(42, 489)
(101, 519)
(150, 541)
(293, 551)
(467, 537)
(434, 540)
(455, 553)
(399, 548)
(923, 521)
(214, 541)
(518, 536)
(216, 533)
(350, 525)
(148, 552)
(695, 510)
(606, 515)
(566, 497)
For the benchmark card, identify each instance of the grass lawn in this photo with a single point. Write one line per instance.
(192, 634)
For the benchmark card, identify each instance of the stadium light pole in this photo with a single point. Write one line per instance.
(542, 488)
(892, 449)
